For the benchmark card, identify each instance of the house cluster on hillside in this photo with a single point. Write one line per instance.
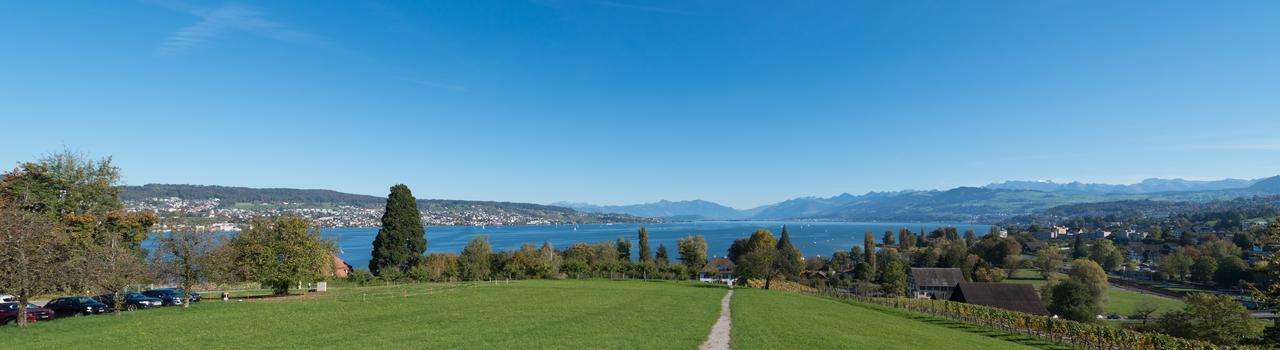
(1169, 249)
(229, 216)
(1062, 232)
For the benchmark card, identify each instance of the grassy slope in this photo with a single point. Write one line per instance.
(779, 320)
(524, 314)
(1120, 301)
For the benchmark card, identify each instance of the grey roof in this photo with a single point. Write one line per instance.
(936, 277)
(1009, 296)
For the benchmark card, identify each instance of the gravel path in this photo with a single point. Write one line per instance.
(719, 337)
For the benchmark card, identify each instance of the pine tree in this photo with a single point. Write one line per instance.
(887, 239)
(1077, 248)
(790, 262)
(624, 249)
(401, 240)
(645, 255)
(662, 258)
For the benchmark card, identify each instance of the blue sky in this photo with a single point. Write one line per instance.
(614, 102)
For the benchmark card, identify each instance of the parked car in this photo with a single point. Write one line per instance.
(171, 296)
(75, 306)
(132, 301)
(176, 291)
(9, 313)
(5, 298)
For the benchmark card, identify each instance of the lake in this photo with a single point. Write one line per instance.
(813, 238)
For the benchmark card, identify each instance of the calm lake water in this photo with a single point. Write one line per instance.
(813, 238)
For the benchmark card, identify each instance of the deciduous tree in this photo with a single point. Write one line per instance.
(1203, 268)
(869, 251)
(1091, 275)
(693, 252)
(476, 259)
(116, 269)
(31, 255)
(81, 197)
(758, 257)
(280, 251)
(1219, 319)
(1074, 301)
(893, 276)
(186, 257)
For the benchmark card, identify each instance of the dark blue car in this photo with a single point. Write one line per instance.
(171, 296)
(75, 306)
(132, 301)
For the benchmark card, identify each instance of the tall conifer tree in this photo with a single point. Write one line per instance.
(401, 240)
(869, 250)
(790, 262)
(645, 254)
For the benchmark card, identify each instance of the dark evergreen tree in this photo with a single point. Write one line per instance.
(624, 249)
(789, 260)
(401, 240)
(869, 250)
(662, 258)
(1077, 248)
(645, 254)
(887, 238)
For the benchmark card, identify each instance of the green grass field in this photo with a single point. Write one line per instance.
(539, 314)
(1125, 302)
(780, 320)
(1120, 301)
(523, 314)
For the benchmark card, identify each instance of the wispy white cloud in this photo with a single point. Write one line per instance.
(229, 19)
(644, 8)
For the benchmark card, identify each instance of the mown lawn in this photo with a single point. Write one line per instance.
(765, 319)
(522, 314)
(1119, 301)
(1125, 302)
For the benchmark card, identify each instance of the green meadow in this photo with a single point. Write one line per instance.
(1119, 301)
(764, 319)
(522, 314)
(533, 314)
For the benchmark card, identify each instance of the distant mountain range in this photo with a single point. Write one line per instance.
(987, 204)
(990, 203)
(682, 210)
(1146, 186)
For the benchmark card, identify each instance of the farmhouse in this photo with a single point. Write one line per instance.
(933, 283)
(340, 268)
(1009, 296)
(718, 270)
